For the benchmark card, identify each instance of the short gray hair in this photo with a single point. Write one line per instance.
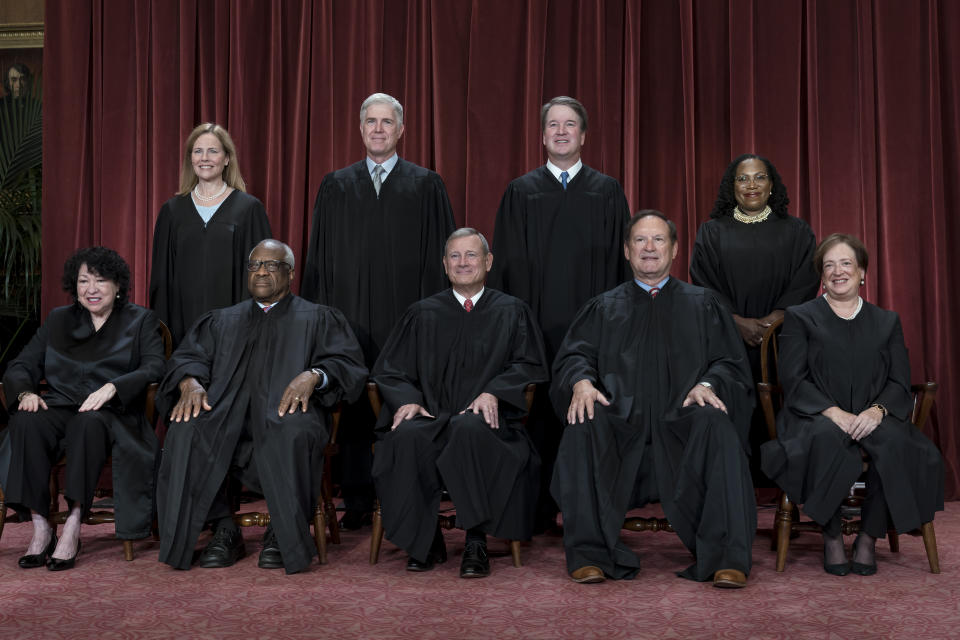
(382, 98)
(271, 243)
(464, 232)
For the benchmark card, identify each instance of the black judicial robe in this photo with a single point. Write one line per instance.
(76, 360)
(827, 361)
(756, 268)
(555, 249)
(198, 267)
(442, 357)
(245, 358)
(371, 257)
(645, 355)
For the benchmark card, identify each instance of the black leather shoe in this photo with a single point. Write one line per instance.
(55, 564)
(863, 569)
(270, 557)
(436, 555)
(475, 563)
(353, 520)
(841, 569)
(223, 550)
(35, 561)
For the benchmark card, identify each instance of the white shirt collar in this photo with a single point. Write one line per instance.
(387, 165)
(571, 172)
(463, 299)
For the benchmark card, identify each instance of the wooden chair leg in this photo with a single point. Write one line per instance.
(3, 511)
(376, 538)
(515, 552)
(930, 544)
(894, 541)
(128, 550)
(320, 532)
(783, 522)
(330, 511)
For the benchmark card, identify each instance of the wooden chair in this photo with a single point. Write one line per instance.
(445, 521)
(96, 515)
(325, 513)
(787, 521)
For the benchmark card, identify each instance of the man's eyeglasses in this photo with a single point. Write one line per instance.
(271, 265)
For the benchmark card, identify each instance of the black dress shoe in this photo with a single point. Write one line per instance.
(35, 561)
(475, 563)
(223, 550)
(353, 520)
(56, 564)
(436, 555)
(863, 569)
(270, 557)
(841, 569)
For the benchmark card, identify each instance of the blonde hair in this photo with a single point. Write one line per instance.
(231, 173)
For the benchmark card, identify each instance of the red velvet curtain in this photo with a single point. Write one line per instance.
(857, 102)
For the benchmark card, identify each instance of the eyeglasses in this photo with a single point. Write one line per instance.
(760, 178)
(271, 265)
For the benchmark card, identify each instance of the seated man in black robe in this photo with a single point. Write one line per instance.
(249, 387)
(654, 383)
(453, 375)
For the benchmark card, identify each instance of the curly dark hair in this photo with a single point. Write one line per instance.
(726, 200)
(102, 261)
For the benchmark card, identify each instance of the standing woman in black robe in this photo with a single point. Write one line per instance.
(98, 356)
(846, 380)
(203, 233)
(757, 257)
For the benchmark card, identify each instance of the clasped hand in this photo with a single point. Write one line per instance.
(857, 426)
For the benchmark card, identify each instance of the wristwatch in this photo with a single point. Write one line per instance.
(23, 394)
(883, 409)
(706, 384)
(321, 377)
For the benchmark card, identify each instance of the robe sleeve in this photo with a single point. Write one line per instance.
(801, 393)
(526, 364)
(311, 289)
(577, 358)
(438, 224)
(162, 264)
(705, 266)
(895, 395)
(150, 367)
(510, 272)
(396, 371)
(193, 358)
(804, 283)
(25, 372)
(337, 352)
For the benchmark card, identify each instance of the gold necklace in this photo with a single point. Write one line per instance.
(760, 217)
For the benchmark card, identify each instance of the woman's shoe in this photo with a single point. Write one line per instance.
(55, 564)
(38, 560)
(864, 569)
(841, 569)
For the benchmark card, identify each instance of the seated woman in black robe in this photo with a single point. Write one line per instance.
(846, 380)
(97, 356)
(757, 257)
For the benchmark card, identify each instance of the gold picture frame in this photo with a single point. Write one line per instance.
(27, 35)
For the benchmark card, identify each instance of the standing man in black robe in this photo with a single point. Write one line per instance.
(453, 376)
(558, 242)
(654, 383)
(378, 226)
(249, 387)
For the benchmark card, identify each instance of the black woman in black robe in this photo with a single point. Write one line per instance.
(757, 257)
(657, 396)
(204, 234)
(846, 380)
(448, 360)
(97, 356)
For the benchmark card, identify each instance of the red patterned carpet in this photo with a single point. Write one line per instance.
(106, 597)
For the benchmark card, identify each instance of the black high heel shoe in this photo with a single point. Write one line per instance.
(56, 564)
(35, 561)
(864, 569)
(839, 569)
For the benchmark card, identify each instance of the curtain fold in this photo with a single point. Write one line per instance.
(857, 103)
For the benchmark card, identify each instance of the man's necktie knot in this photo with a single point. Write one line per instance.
(468, 305)
(378, 178)
(563, 179)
